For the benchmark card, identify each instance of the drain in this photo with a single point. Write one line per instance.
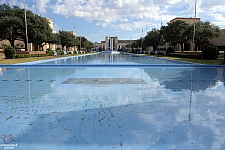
(5, 80)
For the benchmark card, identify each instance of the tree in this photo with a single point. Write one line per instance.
(12, 27)
(52, 39)
(11, 23)
(89, 45)
(176, 32)
(204, 32)
(152, 39)
(86, 44)
(67, 39)
(209, 51)
(41, 31)
(135, 44)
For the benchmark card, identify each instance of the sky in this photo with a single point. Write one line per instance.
(126, 19)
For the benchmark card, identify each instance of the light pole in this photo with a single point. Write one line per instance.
(25, 21)
(75, 38)
(193, 42)
(141, 40)
(130, 42)
(80, 39)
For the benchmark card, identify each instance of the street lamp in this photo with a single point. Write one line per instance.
(75, 38)
(25, 21)
(80, 39)
(130, 42)
(193, 42)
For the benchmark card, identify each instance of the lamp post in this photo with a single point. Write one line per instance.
(141, 40)
(75, 38)
(193, 42)
(80, 39)
(25, 21)
(130, 42)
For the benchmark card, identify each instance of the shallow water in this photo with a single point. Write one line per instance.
(113, 107)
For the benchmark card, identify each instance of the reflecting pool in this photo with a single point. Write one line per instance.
(112, 107)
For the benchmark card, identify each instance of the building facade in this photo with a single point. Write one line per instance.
(187, 20)
(220, 41)
(113, 43)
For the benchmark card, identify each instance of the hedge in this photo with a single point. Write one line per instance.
(195, 56)
(10, 52)
(29, 55)
(209, 51)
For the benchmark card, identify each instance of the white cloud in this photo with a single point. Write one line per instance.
(110, 12)
(42, 5)
(123, 13)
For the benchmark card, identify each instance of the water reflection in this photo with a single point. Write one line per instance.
(194, 79)
(105, 58)
(179, 108)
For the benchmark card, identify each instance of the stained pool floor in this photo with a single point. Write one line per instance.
(112, 108)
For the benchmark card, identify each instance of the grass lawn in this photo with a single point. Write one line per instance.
(200, 61)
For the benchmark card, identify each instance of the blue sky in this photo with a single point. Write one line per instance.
(126, 19)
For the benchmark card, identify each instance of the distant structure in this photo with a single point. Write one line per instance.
(72, 32)
(219, 42)
(113, 43)
(187, 20)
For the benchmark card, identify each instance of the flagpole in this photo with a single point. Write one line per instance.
(193, 42)
(25, 20)
(141, 39)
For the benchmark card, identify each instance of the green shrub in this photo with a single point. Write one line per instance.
(170, 50)
(194, 56)
(209, 51)
(49, 52)
(29, 55)
(10, 52)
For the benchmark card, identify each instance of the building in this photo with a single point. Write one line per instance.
(187, 20)
(72, 32)
(220, 41)
(113, 43)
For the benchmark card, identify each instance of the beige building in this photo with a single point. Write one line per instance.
(72, 32)
(187, 20)
(113, 43)
(220, 41)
